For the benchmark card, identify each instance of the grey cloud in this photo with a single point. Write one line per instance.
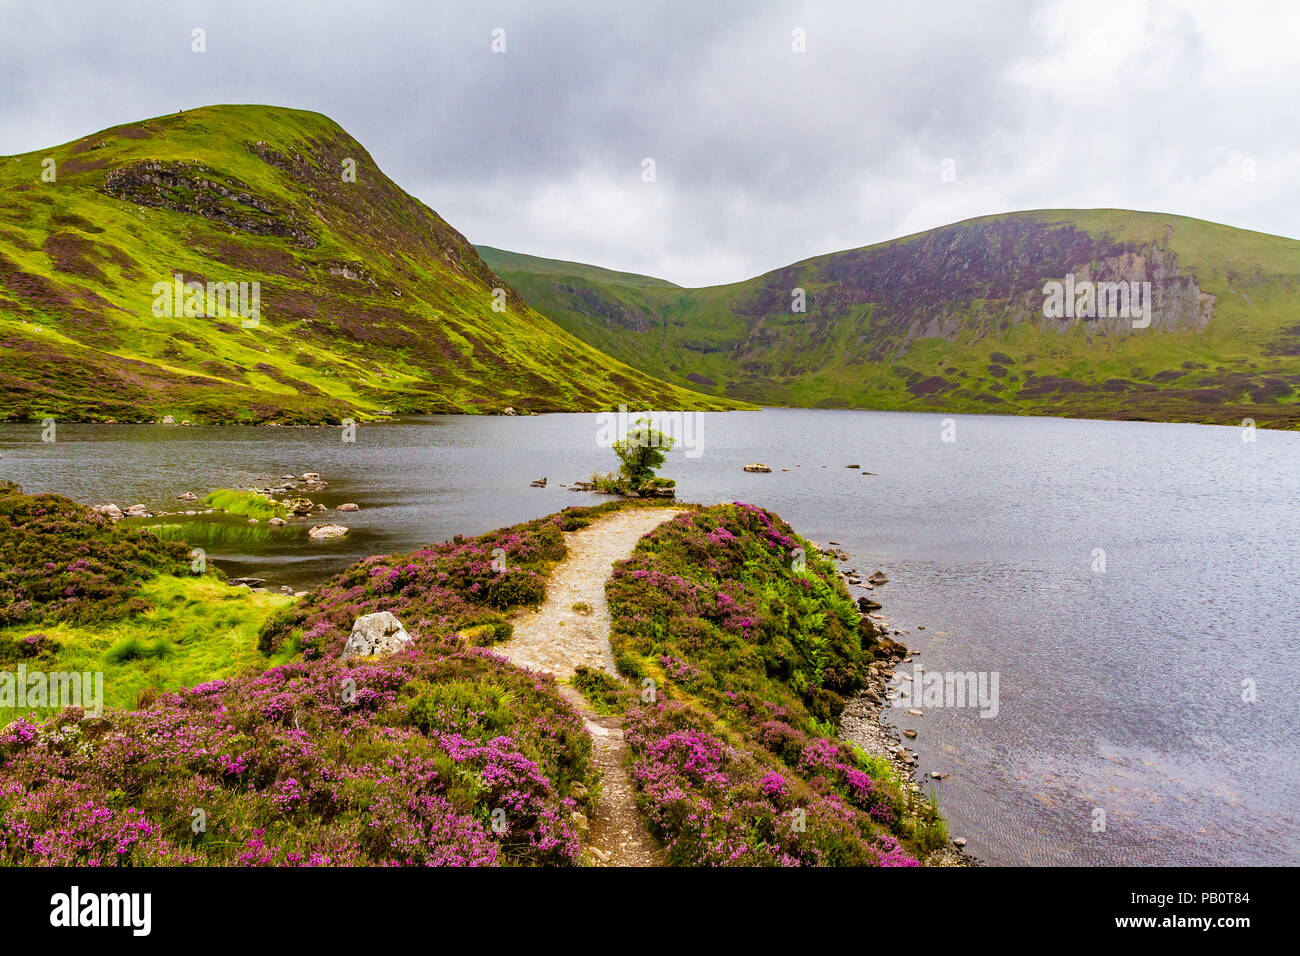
(764, 156)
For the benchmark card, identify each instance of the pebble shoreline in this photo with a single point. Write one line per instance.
(863, 723)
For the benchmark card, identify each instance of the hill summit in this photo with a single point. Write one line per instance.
(253, 264)
(1102, 313)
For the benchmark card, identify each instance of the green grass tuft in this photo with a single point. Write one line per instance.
(250, 504)
(198, 630)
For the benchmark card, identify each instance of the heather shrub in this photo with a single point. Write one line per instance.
(754, 653)
(507, 589)
(60, 561)
(402, 761)
(469, 585)
(29, 647)
(459, 703)
(716, 802)
(441, 754)
(711, 601)
(466, 585)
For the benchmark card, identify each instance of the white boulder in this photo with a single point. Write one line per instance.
(327, 531)
(373, 635)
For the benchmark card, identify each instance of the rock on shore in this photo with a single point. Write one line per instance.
(863, 722)
(375, 634)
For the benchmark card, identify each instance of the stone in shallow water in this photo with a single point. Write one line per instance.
(327, 531)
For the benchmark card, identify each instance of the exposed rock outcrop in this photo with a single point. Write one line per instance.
(195, 190)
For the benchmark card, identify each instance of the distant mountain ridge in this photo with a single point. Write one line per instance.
(953, 319)
(369, 302)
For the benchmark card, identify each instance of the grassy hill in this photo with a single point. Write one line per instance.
(368, 300)
(952, 319)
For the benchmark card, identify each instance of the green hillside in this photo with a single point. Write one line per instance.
(368, 302)
(952, 319)
(518, 262)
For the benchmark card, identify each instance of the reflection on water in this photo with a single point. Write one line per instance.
(1121, 690)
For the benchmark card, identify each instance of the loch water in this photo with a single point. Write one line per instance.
(1133, 585)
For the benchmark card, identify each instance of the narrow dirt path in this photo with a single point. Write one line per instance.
(558, 639)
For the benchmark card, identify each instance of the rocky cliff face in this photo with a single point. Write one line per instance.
(984, 277)
(954, 319)
(1177, 301)
(193, 189)
(595, 302)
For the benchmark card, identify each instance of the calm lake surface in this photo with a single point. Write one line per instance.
(1120, 689)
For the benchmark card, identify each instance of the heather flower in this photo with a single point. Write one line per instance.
(773, 785)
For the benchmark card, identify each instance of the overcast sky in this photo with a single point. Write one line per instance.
(762, 155)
